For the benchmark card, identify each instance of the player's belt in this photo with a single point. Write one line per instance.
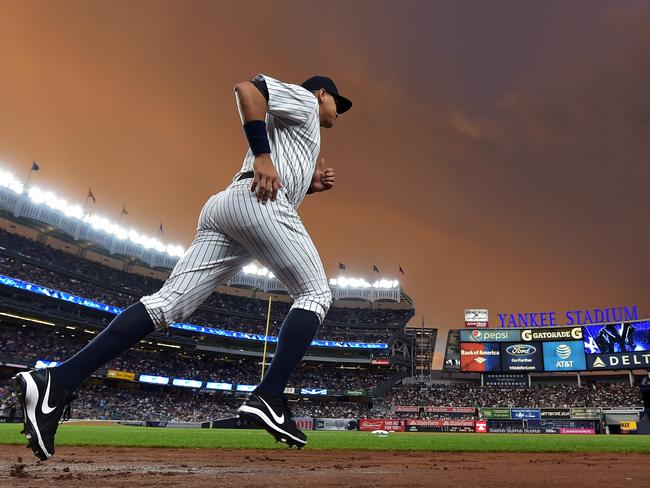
(247, 174)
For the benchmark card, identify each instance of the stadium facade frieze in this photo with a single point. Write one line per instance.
(571, 317)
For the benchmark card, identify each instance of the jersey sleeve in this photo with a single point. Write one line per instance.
(291, 103)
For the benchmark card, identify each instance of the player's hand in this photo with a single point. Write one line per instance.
(323, 178)
(266, 181)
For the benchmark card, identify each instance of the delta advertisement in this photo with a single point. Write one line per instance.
(480, 357)
(629, 360)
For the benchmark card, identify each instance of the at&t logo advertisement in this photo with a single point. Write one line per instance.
(564, 356)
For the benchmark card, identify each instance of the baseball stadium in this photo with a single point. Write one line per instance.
(360, 243)
(366, 392)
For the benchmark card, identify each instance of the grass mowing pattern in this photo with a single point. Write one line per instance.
(123, 436)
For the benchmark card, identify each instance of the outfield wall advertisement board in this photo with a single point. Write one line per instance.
(496, 413)
(586, 413)
(525, 414)
(555, 413)
(407, 408)
(391, 425)
(460, 410)
(440, 426)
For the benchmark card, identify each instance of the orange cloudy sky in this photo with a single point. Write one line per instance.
(497, 150)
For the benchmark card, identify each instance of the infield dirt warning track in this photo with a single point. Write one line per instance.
(134, 467)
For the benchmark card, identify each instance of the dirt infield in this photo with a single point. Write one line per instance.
(133, 467)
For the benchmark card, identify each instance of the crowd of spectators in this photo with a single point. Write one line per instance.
(31, 261)
(128, 402)
(105, 402)
(33, 343)
(593, 394)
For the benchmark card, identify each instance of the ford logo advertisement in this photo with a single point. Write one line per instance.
(521, 350)
(521, 357)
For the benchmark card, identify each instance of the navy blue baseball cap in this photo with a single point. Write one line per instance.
(317, 82)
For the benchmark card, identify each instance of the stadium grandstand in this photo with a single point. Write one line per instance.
(64, 274)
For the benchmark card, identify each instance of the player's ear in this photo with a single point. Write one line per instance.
(320, 95)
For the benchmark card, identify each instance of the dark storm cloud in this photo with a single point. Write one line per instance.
(497, 150)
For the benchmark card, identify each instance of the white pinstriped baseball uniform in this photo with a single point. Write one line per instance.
(234, 228)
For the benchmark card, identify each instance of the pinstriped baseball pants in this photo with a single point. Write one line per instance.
(233, 229)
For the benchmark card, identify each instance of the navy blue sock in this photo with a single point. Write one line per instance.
(127, 329)
(297, 332)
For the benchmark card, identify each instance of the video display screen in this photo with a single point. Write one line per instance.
(613, 338)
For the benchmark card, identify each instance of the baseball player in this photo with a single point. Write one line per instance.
(253, 218)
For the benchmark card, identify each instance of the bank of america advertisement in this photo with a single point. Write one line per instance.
(480, 357)
(564, 356)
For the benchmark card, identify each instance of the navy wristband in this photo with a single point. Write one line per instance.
(258, 139)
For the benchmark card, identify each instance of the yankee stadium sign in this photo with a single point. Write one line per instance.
(571, 317)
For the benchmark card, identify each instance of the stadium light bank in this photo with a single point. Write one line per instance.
(53, 201)
(342, 282)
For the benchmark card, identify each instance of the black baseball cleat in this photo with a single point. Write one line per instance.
(44, 405)
(275, 416)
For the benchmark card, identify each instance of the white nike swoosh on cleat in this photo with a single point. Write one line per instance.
(45, 407)
(280, 419)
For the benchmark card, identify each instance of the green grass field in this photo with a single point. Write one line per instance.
(103, 435)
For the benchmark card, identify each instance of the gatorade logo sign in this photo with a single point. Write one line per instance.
(564, 333)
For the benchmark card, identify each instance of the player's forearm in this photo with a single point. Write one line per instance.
(250, 102)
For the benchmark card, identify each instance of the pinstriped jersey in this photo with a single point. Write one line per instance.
(293, 127)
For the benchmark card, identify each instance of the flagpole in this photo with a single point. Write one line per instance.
(266, 336)
(29, 176)
(86, 204)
